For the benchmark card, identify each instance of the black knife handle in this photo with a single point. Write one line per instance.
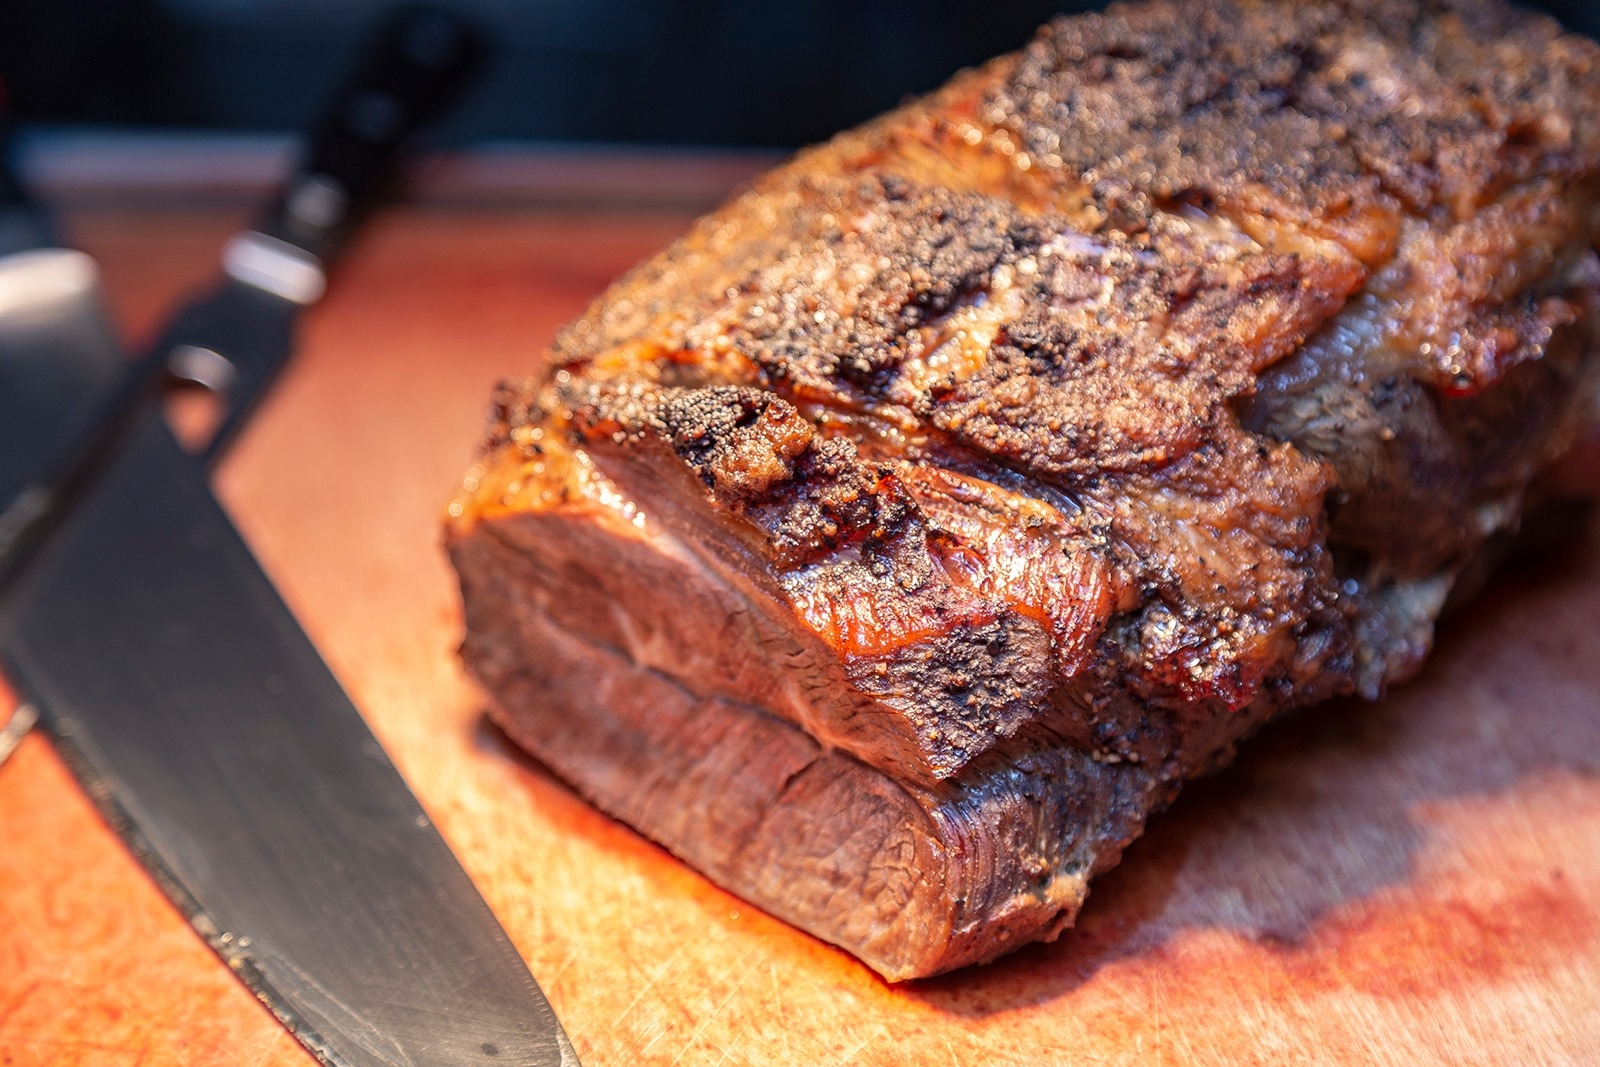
(417, 63)
(420, 60)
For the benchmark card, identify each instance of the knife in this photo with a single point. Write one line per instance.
(197, 714)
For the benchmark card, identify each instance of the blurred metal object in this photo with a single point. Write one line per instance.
(49, 302)
(58, 361)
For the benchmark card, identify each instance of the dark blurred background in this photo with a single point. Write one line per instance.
(702, 72)
(769, 73)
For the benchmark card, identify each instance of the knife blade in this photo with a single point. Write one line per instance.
(213, 738)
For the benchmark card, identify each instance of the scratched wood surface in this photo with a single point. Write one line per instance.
(1416, 882)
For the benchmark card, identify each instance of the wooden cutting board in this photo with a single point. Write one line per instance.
(1413, 882)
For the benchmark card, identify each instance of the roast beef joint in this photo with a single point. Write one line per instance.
(895, 543)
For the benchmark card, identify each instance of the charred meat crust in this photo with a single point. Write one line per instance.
(1037, 441)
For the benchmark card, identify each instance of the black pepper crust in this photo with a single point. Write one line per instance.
(1310, 114)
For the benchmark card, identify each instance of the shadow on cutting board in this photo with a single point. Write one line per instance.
(1316, 823)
